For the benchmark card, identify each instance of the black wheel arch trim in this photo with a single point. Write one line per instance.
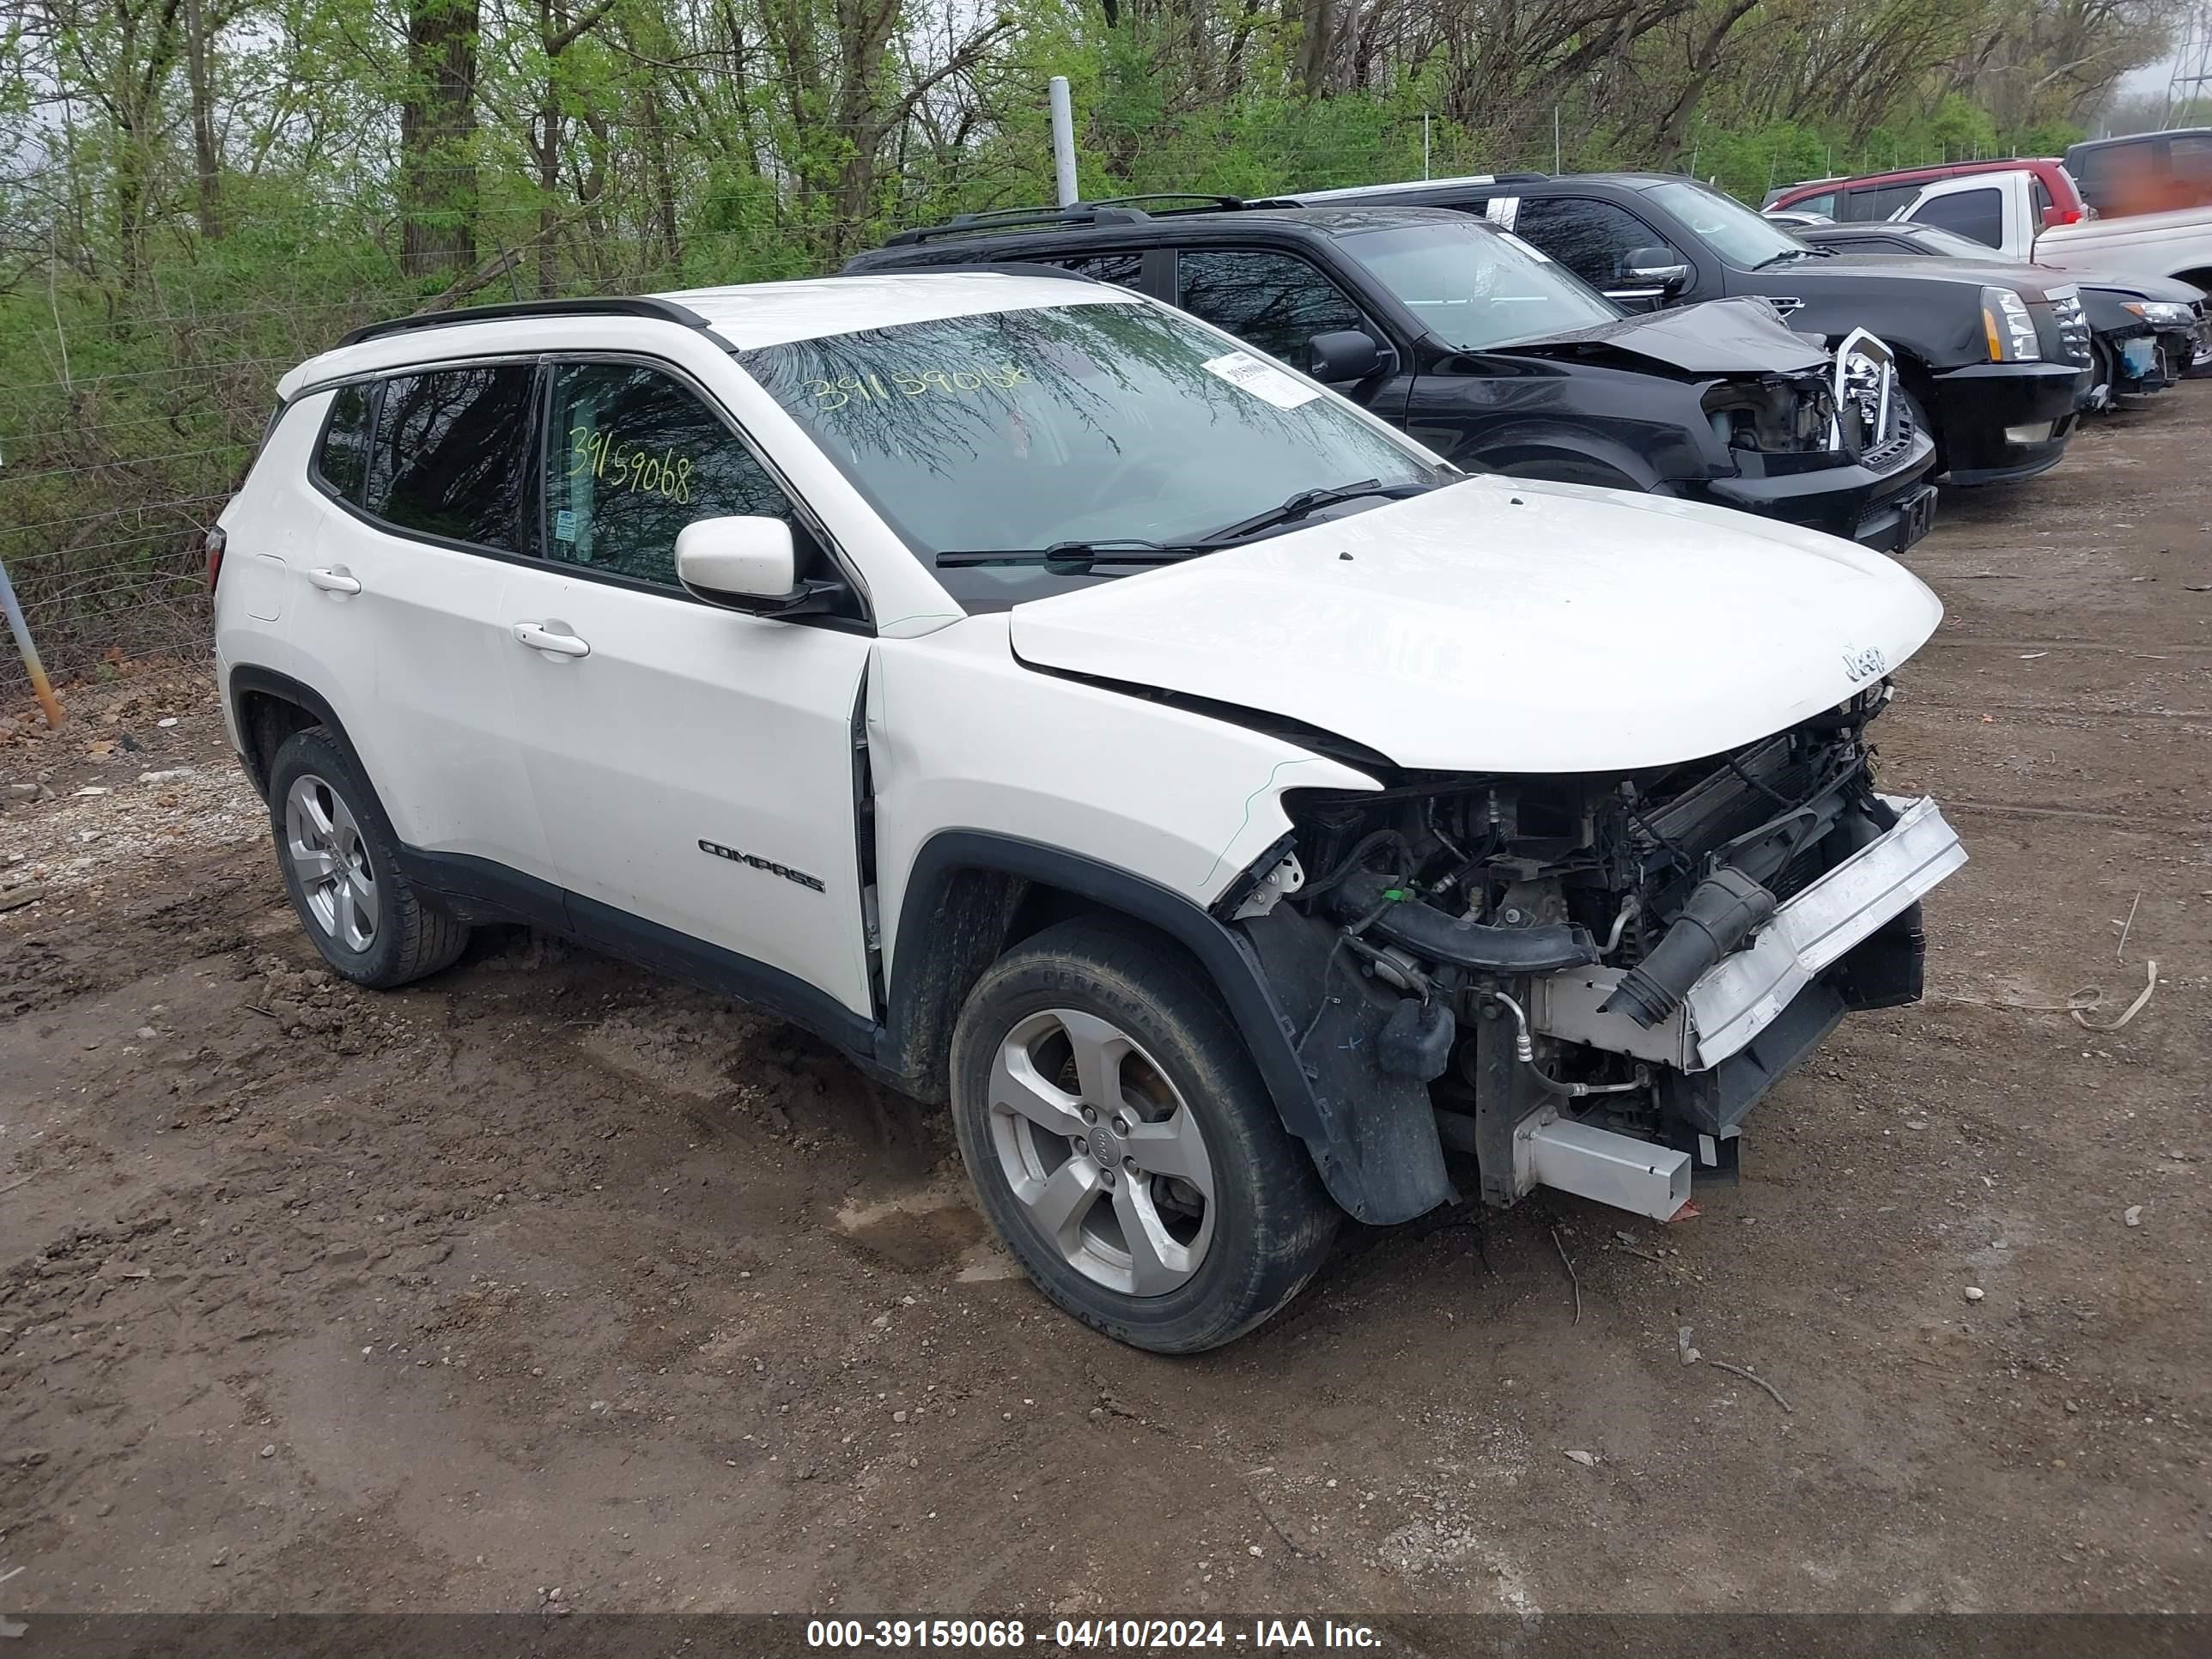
(1224, 954)
(248, 679)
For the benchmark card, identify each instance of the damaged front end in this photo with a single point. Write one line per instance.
(1583, 981)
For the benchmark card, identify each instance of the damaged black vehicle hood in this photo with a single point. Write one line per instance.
(1721, 336)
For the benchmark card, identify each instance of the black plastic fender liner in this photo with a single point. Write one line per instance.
(1372, 1137)
(1428, 932)
(1722, 912)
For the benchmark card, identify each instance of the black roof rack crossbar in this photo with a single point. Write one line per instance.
(1106, 210)
(1207, 202)
(1001, 267)
(666, 311)
(977, 224)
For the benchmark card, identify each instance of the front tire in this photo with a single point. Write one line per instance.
(341, 867)
(1122, 1144)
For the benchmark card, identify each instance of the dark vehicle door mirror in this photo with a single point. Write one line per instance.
(1344, 355)
(1651, 273)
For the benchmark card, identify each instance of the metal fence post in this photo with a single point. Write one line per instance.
(22, 629)
(1063, 141)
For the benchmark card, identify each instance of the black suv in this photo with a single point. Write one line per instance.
(1998, 361)
(1494, 355)
(2147, 332)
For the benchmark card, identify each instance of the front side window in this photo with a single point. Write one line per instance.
(1099, 420)
(1592, 238)
(448, 458)
(1473, 287)
(633, 456)
(1977, 215)
(1276, 301)
(342, 462)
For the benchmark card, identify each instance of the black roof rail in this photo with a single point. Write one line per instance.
(998, 267)
(666, 311)
(1106, 210)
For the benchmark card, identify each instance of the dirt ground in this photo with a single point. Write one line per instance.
(548, 1282)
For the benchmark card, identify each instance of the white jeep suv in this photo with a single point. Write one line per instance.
(1241, 818)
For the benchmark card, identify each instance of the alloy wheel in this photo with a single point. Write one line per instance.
(324, 844)
(1102, 1152)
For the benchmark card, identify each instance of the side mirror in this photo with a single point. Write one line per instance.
(1659, 268)
(1346, 354)
(737, 559)
(749, 564)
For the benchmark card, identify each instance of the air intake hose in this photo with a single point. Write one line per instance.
(1430, 932)
(1722, 911)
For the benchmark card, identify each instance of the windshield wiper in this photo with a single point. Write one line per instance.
(1074, 557)
(1078, 557)
(1306, 502)
(1793, 253)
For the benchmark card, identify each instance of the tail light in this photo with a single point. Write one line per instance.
(2061, 216)
(217, 539)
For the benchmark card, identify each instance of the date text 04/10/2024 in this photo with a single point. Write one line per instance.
(1079, 1634)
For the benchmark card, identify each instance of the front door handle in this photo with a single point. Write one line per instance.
(335, 580)
(551, 639)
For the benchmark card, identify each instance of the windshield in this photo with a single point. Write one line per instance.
(1475, 287)
(1732, 230)
(1089, 422)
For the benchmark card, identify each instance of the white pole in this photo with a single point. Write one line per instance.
(1555, 139)
(1063, 141)
(1425, 143)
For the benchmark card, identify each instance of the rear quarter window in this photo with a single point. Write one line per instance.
(341, 463)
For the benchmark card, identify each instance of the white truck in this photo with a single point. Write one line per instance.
(1999, 210)
(1227, 806)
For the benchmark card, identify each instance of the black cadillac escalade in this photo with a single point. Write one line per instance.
(1496, 356)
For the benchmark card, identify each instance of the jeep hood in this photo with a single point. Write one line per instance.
(1721, 336)
(1509, 627)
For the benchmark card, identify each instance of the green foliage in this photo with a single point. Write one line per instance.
(152, 288)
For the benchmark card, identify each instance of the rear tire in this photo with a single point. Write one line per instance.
(340, 863)
(1122, 1144)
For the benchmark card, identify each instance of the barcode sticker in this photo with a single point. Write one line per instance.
(1262, 380)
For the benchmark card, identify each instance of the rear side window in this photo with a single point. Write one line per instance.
(1277, 302)
(1823, 203)
(1975, 213)
(342, 462)
(448, 457)
(2044, 204)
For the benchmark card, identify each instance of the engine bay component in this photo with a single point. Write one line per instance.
(1617, 963)
(1720, 913)
(1405, 919)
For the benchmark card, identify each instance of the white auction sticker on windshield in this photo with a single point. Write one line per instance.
(1262, 380)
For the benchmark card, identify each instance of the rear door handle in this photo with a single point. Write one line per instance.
(336, 579)
(551, 638)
